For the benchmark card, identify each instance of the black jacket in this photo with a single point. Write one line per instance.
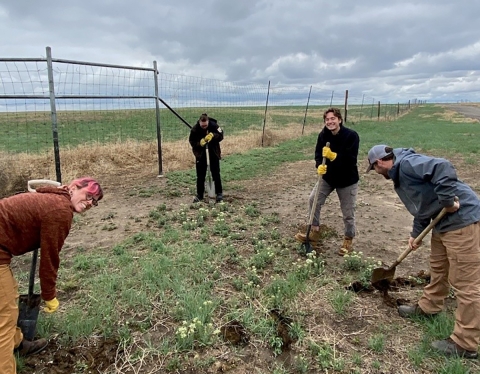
(343, 171)
(197, 134)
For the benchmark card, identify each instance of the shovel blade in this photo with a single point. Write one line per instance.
(211, 190)
(308, 247)
(28, 309)
(382, 274)
(210, 186)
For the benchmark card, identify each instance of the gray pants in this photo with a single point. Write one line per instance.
(347, 197)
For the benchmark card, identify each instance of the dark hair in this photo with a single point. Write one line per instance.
(204, 117)
(336, 112)
(390, 155)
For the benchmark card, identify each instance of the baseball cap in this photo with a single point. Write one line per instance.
(376, 153)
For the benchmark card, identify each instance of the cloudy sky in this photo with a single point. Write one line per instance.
(394, 50)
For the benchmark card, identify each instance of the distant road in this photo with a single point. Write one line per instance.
(469, 111)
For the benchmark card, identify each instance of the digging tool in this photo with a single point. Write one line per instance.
(381, 276)
(210, 184)
(29, 305)
(307, 245)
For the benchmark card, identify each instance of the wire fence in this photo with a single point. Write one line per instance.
(48, 105)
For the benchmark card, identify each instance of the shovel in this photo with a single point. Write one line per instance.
(383, 275)
(308, 247)
(210, 184)
(29, 305)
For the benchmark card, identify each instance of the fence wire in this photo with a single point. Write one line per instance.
(77, 103)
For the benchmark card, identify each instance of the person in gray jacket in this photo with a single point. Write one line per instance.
(426, 185)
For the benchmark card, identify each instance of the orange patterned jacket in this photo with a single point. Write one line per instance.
(36, 220)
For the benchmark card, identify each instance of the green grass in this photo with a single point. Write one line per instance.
(424, 129)
(32, 131)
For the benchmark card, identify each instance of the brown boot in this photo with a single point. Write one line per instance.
(28, 348)
(314, 236)
(347, 246)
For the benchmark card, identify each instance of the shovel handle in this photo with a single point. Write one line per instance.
(33, 269)
(420, 237)
(315, 198)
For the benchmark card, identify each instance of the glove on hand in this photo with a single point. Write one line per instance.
(51, 306)
(203, 142)
(327, 152)
(322, 169)
(209, 137)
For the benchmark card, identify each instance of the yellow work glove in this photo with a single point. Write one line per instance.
(203, 142)
(209, 137)
(327, 152)
(51, 306)
(322, 169)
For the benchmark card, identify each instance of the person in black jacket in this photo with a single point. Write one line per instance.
(342, 175)
(207, 131)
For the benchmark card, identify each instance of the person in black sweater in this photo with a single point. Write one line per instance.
(206, 131)
(342, 175)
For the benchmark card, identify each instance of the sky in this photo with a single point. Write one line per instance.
(391, 50)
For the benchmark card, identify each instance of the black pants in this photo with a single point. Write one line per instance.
(201, 167)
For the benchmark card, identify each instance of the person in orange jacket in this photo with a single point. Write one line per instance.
(29, 221)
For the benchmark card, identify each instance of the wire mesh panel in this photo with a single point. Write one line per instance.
(93, 107)
(236, 107)
(86, 112)
(103, 104)
(25, 122)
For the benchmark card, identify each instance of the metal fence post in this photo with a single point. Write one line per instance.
(157, 116)
(346, 106)
(361, 108)
(53, 109)
(265, 118)
(306, 109)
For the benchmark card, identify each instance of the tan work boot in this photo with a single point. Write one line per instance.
(314, 236)
(347, 246)
(28, 348)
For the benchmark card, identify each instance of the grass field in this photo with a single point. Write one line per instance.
(171, 294)
(32, 131)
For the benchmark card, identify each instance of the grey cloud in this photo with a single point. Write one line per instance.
(391, 48)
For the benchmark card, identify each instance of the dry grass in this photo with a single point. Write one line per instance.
(453, 116)
(107, 161)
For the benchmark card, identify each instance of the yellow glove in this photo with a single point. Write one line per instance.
(51, 306)
(322, 169)
(327, 152)
(203, 142)
(209, 137)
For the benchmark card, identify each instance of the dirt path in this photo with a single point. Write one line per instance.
(468, 110)
(383, 224)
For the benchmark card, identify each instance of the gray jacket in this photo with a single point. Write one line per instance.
(426, 185)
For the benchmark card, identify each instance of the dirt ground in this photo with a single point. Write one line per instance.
(383, 227)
